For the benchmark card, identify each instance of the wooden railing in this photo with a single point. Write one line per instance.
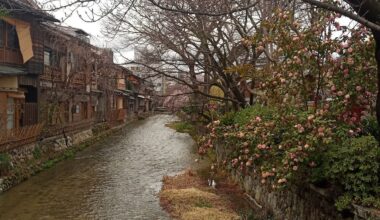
(54, 130)
(52, 74)
(13, 138)
(11, 56)
(79, 78)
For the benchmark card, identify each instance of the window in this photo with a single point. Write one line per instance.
(51, 58)
(10, 113)
(8, 36)
(47, 55)
(12, 39)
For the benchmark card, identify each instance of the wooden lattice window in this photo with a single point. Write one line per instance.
(8, 36)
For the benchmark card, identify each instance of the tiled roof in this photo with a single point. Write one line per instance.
(71, 31)
(27, 6)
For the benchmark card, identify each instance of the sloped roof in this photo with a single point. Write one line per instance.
(27, 6)
(70, 31)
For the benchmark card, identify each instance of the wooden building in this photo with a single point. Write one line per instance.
(52, 79)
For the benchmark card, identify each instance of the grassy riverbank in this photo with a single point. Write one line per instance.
(188, 196)
(183, 127)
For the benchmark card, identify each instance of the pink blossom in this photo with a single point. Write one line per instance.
(258, 119)
(351, 132)
(216, 122)
(249, 163)
(344, 45)
(350, 61)
(234, 162)
(299, 128)
(310, 118)
(281, 181)
(261, 146)
(240, 134)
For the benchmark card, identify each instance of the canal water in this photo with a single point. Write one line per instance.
(118, 178)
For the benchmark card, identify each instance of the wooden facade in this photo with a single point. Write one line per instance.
(83, 81)
(66, 86)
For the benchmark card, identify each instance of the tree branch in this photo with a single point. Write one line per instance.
(344, 12)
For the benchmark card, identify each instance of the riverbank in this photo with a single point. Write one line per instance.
(200, 193)
(20, 164)
(188, 196)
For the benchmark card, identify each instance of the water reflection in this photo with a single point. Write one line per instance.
(115, 179)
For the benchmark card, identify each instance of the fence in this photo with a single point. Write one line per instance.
(54, 130)
(15, 137)
(18, 124)
(17, 115)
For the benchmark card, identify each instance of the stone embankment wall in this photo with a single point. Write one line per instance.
(295, 203)
(28, 160)
(290, 204)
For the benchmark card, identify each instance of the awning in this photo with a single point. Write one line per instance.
(24, 37)
(11, 71)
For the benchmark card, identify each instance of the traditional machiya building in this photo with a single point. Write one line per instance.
(21, 63)
(80, 85)
(52, 80)
(65, 85)
(141, 91)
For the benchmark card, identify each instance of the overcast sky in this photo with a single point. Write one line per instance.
(94, 29)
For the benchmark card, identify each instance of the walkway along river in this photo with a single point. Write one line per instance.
(117, 178)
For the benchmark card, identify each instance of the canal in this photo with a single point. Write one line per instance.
(117, 178)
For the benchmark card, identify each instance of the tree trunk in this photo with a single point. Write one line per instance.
(377, 56)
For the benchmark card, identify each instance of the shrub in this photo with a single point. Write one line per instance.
(290, 146)
(181, 127)
(371, 127)
(5, 163)
(228, 119)
(244, 116)
(355, 165)
(37, 153)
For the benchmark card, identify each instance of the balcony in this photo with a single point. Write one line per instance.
(10, 56)
(52, 74)
(79, 78)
